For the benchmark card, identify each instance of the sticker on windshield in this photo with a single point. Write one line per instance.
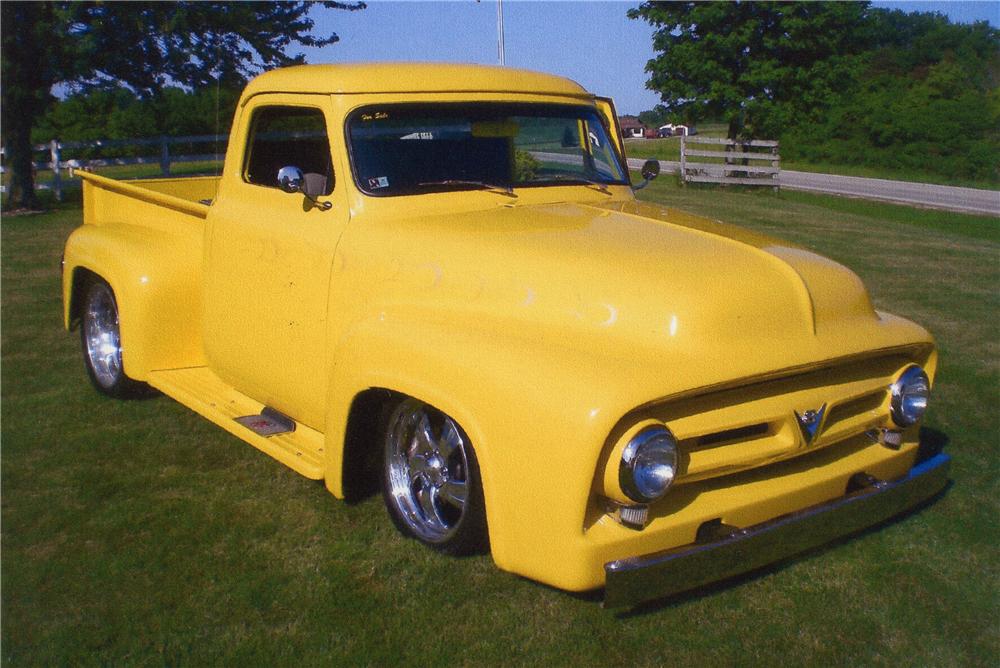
(375, 182)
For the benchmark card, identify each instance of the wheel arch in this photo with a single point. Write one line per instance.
(78, 278)
(359, 472)
(351, 463)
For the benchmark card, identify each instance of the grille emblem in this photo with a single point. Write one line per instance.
(809, 423)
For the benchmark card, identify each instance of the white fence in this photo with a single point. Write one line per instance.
(57, 164)
(743, 161)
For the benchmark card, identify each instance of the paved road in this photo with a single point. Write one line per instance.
(966, 200)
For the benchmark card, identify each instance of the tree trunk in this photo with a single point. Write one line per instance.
(21, 185)
(27, 80)
(734, 127)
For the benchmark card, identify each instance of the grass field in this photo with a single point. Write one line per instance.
(137, 533)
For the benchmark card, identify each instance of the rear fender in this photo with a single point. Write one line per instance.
(156, 278)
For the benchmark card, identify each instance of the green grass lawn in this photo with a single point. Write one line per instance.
(139, 533)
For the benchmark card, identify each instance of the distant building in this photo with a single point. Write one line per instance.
(632, 127)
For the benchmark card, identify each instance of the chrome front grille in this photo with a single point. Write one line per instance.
(758, 422)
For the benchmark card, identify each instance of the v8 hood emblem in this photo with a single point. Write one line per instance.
(809, 422)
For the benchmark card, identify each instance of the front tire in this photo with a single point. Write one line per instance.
(431, 484)
(100, 335)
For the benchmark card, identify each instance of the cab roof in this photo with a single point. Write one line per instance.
(409, 78)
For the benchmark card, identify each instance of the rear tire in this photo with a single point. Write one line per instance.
(100, 336)
(430, 480)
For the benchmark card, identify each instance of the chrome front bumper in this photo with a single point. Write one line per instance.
(653, 576)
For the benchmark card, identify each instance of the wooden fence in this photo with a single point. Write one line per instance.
(741, 162)
(57, 163)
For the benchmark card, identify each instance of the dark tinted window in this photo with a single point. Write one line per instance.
(419, 148)
(283, 136)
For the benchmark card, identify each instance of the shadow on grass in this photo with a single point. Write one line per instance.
(932, 442)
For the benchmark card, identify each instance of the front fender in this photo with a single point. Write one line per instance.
(537, 416)
(156, 278)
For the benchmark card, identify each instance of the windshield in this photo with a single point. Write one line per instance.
(418, 148)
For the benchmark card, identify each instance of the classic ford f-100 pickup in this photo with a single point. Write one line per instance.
(438, 277)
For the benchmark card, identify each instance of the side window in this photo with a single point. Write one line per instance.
(283, 136)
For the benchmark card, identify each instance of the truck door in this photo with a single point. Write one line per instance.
(270, 255)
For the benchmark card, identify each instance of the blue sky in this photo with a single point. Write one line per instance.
(592, 43)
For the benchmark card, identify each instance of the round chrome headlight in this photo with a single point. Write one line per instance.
(909, 396)
(649, 464)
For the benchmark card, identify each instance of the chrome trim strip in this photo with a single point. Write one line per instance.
(653, 576)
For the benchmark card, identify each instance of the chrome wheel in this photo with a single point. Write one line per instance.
(101, 336)
(428, 478)
(102, 344)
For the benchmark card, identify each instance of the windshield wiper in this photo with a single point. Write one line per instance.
(505, 190)
(582, 180)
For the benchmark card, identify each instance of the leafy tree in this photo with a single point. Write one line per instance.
(143, 46)
(654, 118)
(119, 114)
(837, 82)
(923, 98)
(753, 64)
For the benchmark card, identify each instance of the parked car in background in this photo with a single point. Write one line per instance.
(675, 130)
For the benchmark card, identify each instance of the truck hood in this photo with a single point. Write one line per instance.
(624, 280)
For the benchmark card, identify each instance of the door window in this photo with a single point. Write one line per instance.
(289, 136)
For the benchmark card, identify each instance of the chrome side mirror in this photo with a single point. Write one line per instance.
(650, 170)
(292, 180)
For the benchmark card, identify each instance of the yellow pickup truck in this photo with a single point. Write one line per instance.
(436, 279)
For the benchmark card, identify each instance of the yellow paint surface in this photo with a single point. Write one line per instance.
(547, 325)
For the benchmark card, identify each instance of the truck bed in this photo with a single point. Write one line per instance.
(107, 200)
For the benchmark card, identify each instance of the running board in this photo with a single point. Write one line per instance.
(206, 394)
